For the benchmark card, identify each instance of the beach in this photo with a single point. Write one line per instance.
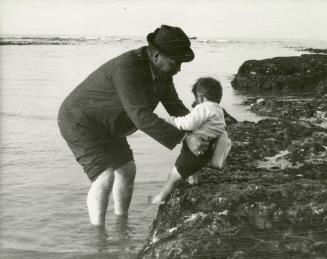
(43, 190)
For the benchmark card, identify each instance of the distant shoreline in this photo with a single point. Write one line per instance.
(58, 40)
(6, 39)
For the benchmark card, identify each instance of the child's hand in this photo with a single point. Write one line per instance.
(155, 200)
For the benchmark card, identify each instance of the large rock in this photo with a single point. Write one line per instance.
(316, 51)
(270, 200)
(307, 72)
(304, 108)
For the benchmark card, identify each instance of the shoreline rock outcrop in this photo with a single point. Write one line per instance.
(312, 108)
(270, 199)
(298, 74)
(314, 50)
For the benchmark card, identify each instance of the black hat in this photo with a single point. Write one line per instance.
(171, 42)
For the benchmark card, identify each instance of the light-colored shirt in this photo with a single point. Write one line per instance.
(206, 118)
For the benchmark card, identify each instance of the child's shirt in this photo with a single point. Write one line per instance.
(206, 118)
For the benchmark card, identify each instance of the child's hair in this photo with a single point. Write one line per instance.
(209, 87)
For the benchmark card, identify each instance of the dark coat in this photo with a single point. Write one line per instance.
(118, 98)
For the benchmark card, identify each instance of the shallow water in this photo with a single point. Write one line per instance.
(43, 190)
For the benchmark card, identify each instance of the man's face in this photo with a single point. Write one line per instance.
(167, 66)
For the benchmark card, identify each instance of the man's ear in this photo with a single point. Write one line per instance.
(156, 56)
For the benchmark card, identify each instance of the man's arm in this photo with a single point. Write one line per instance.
(197, 143)
(129, 83)
(170, 100)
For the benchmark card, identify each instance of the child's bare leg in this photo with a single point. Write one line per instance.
(173, 178)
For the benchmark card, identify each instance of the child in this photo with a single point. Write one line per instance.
(206, 118)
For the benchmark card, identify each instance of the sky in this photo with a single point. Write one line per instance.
(282, 19)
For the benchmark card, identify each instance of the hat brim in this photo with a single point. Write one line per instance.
(186, 57)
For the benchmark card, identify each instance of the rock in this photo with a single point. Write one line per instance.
(305, 73)
(316, 51)
(310, 108)
(229, 119)
(270, 199)
(251, 211)
(260, 100)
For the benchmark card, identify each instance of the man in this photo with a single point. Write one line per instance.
(116, 100)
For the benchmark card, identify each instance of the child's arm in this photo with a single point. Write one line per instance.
(191, 121)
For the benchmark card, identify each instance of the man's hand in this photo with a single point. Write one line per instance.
(197, 143)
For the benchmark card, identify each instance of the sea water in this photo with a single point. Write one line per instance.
(43, 190)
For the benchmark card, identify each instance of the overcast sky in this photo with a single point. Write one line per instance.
(214, 18)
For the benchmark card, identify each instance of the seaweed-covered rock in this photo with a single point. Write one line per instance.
(270, 200)
(307, 72)
(312, 108)
(316, 51)
(229, 119)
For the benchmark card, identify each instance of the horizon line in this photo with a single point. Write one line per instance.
(139, 36)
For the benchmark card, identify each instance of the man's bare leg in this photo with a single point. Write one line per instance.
(98, 196)
(173, 178)
(123, 188)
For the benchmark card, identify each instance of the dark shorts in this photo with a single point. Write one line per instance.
(93, 151)
(188, 164)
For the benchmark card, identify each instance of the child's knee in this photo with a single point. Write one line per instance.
(175, 175)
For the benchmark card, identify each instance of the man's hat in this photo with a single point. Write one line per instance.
(171, 42)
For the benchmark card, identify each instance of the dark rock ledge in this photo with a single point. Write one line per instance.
(270, 200)
(304, 74)
(293, 88)
(312, 108)
(316, 51)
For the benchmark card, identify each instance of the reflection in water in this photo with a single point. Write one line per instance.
(101, 239)
(121, 228)
(116, 238)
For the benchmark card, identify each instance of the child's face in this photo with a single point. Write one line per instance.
(199, 98)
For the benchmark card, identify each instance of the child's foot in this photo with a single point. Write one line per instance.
(156, 200)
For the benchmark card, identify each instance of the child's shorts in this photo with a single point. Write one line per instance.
(188, 164)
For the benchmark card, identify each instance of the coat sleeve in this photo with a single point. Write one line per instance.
(170, 100)
(129, 84)
(191, 121)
